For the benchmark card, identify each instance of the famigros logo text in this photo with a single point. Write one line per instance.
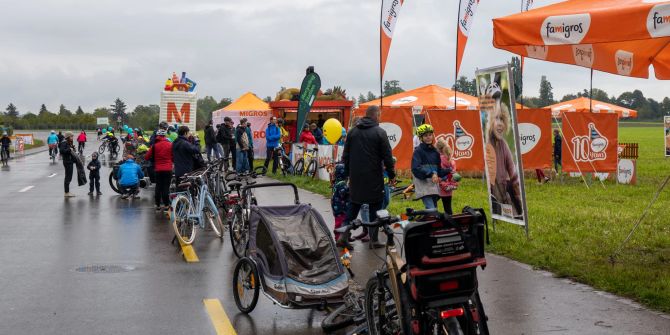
(565, 29)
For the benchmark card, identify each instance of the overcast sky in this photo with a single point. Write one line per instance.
(83, 52)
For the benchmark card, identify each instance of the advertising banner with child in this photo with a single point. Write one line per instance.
(460, 129)
(535, 138)
(502, 154)
(590, 142)
(667, 135)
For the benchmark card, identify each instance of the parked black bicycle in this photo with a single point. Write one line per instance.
(434, 290)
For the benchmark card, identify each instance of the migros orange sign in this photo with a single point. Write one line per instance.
(181, 116)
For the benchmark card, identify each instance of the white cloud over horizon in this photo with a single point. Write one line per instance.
(88, 53)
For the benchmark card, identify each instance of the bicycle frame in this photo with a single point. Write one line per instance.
(196, 212)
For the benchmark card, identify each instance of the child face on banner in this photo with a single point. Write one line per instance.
(499, 120)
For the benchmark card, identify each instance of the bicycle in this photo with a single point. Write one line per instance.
(113, 148)
(192, 207)
(52, 153)
(239, 206)
(310, 155)
(435, 290)
(352, 311)
(4, 156)
(284, 161)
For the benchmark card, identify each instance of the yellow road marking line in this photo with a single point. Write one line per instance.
(189, 253)
(219, 318)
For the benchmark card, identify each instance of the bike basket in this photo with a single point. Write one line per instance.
(446, 240)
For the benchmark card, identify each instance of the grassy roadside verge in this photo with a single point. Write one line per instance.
(37, 144)
(574, 229)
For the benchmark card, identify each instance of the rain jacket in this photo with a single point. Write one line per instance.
(81, 137)
(183, 154)
(52, 139)
(161, 152)
(426, 161)
(94, 173)
(210, 135)
(366, 153)
(251, 138)
(307, 137)
(272, 136)
(130, 173)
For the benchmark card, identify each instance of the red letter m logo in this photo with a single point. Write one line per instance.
(181, 116)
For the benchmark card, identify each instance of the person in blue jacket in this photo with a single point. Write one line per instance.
(52, 142)
(272, 136)
(129, 176)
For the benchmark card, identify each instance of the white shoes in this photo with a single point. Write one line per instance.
(69, 195)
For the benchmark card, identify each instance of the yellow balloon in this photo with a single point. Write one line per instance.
(332, 130)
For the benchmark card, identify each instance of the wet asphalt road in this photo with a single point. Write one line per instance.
(46, 239)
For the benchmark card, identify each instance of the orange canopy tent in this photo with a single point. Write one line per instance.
(584, 105)
(622, 37)
(247, 102)
(429, 97)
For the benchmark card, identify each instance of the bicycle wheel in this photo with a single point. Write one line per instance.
(239, 232)
(182, 225)
(341, 317)
(311, 169)
(246, 285)
(376, 325)
(101, 149)
(114, 183)
(298, 167)
(286, 166)
(214, 220)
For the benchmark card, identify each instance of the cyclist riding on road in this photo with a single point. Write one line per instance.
(113, 141)
(6, 142)
(52, 142)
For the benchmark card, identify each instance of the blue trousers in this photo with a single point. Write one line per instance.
(242, 162)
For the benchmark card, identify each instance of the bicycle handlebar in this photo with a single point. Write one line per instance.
(379, 222)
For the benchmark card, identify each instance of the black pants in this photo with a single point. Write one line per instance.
(233, 153)
(271, 153)
(226, 155)
(446, 203)
(94, 180)
(162, 193)
(353, 213)
(81, 146)
(250, 155)
(69, 166)
(131, 190)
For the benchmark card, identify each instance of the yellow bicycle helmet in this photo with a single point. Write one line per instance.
(424, 129)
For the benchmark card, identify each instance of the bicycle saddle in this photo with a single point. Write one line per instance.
(235, 185)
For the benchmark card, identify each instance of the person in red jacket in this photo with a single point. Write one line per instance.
(161, 152)
(81, 140)
(306, 136)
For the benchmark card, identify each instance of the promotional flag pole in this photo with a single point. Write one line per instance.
(458, 17)
(381, 66)
(591, 93)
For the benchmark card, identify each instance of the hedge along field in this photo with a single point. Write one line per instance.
(574, 230)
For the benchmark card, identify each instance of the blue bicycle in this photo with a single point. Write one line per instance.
(192, 207)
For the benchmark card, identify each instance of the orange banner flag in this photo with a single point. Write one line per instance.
(389, 17)
(465, 17)
(590, 142)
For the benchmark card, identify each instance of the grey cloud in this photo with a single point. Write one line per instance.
(89, 52)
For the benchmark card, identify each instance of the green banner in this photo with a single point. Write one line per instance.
(308, 90)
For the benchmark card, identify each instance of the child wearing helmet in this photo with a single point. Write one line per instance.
(340, 201)
(426, 168)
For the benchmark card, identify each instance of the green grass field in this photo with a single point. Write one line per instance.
(574, 230)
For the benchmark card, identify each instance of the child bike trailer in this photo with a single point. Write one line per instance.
(291, 256)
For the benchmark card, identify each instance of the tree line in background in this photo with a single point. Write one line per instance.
(144, 116)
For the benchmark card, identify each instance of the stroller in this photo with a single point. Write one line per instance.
(291, 256)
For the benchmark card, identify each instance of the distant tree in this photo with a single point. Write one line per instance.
(392, 87)
(268, 99)
(101, 112)
(665, 106)
(119, 109)
(371, 96)
(62, 111)
(546, 93)
(569, 97)
(206, 106)
(12, 112)
(227, 101)
(361, 98)
(79, 111)
(43, 109)
(145, 116)
(465, 85)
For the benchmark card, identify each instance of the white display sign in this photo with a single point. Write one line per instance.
(102, 121)
(179, 108)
